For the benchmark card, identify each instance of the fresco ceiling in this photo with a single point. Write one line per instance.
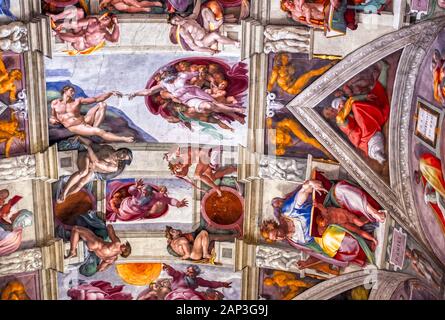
(222, 150)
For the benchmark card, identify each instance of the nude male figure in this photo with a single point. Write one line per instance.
(207, 169)
(130, 6)
(66, 111)
(8, 80)
(189, 246)
(344, 218)
(85, 32)
(200, 38)
(195, 249)
(310, 11)
(106, 251)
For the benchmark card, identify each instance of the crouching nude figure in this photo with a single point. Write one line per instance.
(191, 246)
(108, 252)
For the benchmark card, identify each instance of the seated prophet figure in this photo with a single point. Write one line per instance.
(66, 111)
(295, 209)
(85, 34)
(362, 119)
(8, 81)
(433, 181)
(196, 37)
(350, 249)
(143, 201)
(293, 214)
(130, 6)
(107, 252)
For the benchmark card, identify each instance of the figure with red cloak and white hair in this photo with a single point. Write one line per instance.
(184, 285)
(142, 202)
(361, 118)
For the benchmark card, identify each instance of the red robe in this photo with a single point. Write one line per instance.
(103, 287)
(351, 251)
(367, 118)
(6, 208)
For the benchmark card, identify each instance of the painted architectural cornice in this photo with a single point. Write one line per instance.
(382, 285)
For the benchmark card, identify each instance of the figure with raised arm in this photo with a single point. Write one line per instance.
(108, 252)
(361, 118)
(207, 161)
(66, 111)
(184, 285)
(200, 38)
(85, 33)
(177, 87)
(143, 201)
(101, 162)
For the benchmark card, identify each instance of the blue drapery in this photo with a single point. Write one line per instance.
(5, 6)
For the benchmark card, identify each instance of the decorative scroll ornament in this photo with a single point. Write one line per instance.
(14, 37)
(21, 261)
(18, 168)
(286, 39)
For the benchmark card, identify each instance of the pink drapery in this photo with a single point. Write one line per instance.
(236, 75)
(115, 186)
(105, 288)
(10, 241)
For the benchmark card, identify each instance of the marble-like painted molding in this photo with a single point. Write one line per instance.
(380, 281)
